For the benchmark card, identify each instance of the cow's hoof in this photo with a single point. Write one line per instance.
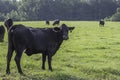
(22, 74)
(51, 70)
(7, 72)
(43, 68)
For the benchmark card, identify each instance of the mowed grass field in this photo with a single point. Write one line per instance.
(91, 53)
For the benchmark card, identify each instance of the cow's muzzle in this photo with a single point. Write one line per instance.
(65, 37)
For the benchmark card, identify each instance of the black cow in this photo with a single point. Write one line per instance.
(2, 33)
(56, 22)
(35, 40)
(47, 22)
(101, 23)
(8, 23)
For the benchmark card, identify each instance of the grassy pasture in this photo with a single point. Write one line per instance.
(91, 53)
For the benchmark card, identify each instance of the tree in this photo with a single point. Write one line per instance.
(116, 16)
(58, 9)
(13, 15)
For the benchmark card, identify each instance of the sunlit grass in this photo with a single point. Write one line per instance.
(91, 53)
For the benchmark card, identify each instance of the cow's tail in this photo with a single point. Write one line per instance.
(10, 37)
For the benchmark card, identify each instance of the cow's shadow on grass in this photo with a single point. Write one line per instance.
(53, 77)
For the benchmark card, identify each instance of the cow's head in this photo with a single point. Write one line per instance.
(8, 23)
(65, 29)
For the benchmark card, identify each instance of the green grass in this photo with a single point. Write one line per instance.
(91, 53)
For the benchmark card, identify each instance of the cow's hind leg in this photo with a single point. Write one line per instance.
(9, 56)
(18, 58)
(43, 61)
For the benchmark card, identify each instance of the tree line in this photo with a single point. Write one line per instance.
(60, 9)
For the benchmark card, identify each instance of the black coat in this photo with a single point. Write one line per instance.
(35, 40)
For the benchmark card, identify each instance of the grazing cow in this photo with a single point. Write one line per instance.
(47, 22)
(35, 40)
(101, 23)
(2, 33)
(56, 22)
(8, 23)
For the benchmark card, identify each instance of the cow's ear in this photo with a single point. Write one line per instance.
(71, 28)
(56, 29)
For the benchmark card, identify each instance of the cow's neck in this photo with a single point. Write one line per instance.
(59, 40)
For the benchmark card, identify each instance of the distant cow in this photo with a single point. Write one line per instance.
(35, 40)
(47, 22)
(101, 23)
(56, 22)
(8, 23)
(2, 33)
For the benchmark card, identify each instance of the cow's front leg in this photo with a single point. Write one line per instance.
(49, 62)
(43, 61)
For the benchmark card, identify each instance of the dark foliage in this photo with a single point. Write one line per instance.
(58, 9)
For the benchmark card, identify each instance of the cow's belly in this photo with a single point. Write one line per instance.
(35, 49)
(29, 52)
